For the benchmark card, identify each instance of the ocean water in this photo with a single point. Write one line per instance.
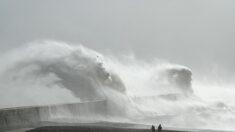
(52, 72)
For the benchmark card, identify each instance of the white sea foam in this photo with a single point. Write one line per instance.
(50, 72)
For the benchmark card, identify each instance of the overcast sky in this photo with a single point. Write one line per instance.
(193, 33)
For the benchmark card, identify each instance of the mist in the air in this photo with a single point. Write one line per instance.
(49, 72)
(169, 62)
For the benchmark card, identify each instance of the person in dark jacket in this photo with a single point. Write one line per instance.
(153, 128)
(159, 128)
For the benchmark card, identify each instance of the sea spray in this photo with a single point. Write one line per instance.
(50, 72)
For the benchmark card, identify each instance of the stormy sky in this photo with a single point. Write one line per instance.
(193, 33)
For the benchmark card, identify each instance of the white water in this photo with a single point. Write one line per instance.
(50, 72)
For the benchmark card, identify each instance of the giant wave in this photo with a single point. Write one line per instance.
(50, 72)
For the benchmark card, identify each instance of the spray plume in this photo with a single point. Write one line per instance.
(50, 72)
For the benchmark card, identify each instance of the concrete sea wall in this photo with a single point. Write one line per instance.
(32, 116)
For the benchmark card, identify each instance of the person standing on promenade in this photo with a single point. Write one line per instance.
(153, 128)
(159, 129)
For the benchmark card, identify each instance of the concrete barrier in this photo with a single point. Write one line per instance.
(31, 116)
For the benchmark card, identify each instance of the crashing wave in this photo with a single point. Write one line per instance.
(49, 72)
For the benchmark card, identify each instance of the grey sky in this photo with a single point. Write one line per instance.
(193, 33)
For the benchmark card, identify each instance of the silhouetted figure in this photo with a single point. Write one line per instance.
(159, 129)
(153, 128)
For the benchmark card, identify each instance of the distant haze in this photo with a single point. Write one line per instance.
(148, 61)
(197, 34)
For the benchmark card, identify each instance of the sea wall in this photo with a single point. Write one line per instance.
(32, 116)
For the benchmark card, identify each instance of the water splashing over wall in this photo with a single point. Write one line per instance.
(49, 72)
